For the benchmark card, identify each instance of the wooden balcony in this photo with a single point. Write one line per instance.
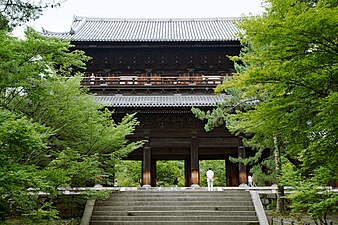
(139, 80)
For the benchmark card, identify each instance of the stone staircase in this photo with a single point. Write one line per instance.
(232, 207)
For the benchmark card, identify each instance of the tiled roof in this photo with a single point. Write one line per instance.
(104, 29)
(160, 101)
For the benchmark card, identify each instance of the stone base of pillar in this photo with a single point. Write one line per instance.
(146, 186)
(243, 185)
(194, 185)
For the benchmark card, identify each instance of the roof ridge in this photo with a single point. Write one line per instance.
(75, 29)
(44, 31)
(166, 29)
(79, 18)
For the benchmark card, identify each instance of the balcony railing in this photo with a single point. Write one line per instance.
(211, 80)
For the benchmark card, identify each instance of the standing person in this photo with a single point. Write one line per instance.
(253, 181)
(250, 180)
(176, 182)
(210, 179)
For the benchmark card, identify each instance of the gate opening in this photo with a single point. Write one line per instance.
(218, 166)
(128, 173)
(168, 171)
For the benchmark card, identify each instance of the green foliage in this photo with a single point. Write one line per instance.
(128, 173)
(264, 172)
(76, 167)
(97, 195)
(309, 196)
(21, 143)
(43, 214)
(314, 201)
(168, 171)
(16, 12)
(289, 69)
(218, 166)
(52, 132)
(292, 70)
(21, 139)
(220, 116)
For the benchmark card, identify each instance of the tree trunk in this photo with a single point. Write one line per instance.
(280, 189)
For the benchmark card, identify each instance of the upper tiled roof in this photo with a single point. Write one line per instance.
(160, 101)
(104, 29)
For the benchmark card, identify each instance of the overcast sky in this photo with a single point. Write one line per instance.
(60, 19)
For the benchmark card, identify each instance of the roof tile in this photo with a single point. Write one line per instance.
(161, 101)
(104, 29)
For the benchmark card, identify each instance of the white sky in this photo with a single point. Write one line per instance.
(60, 19)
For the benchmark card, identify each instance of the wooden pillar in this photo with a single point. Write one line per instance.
(241, 167)
(187, 172)
(194, 162)
(153, 173)
(146, 167)
(232, 174)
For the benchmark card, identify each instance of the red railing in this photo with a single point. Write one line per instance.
(152, 80)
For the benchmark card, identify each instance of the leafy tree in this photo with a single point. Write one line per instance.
(128, 173)
(17, 12)
(53, 133)
(291, 72)
(20, 140)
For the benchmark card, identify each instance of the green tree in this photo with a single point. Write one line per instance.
(53, 133)
(128, 173)
(21, 142)
(17, 12)
(290, 59)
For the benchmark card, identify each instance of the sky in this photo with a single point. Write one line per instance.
(60, 19)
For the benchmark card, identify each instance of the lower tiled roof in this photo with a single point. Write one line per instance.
(161, 101)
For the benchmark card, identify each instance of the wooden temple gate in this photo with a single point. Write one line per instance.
(178, 135)
(161, 68)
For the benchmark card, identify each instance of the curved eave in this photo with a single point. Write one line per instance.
(180, 101)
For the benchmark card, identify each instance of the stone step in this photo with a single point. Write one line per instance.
(175, 213)
(173, 203)
(173, 208)
(174, 222)
(179, 198)
(187, 217)
(179, 193)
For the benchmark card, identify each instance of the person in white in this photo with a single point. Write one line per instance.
(210, 179)
(250, 180)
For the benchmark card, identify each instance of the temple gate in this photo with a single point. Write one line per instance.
(161, 68)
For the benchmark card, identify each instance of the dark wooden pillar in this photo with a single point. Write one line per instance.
(241, 167)
(187, 172)
(153, 173)
(232, 174)
(146, 167)
(194, 161)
